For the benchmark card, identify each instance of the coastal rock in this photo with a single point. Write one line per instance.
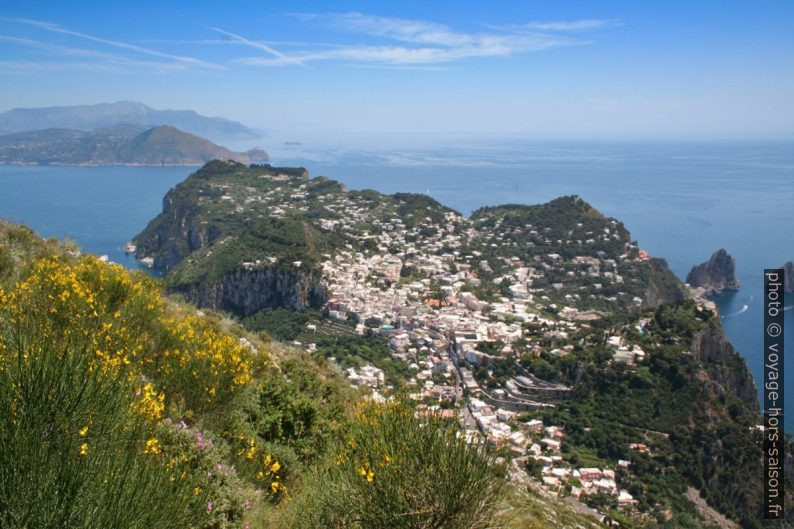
(173, 235)
(788, 277)
(728, 370)
(716, 275)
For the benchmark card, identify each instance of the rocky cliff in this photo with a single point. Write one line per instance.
(729, 372)
(173, 235)
(716, 275)
(245, 292)
(662, 287)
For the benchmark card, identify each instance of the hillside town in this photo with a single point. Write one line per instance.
(437, 325)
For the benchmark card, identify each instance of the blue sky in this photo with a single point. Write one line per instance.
(539, 69)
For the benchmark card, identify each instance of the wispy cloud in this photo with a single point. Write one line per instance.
(284, 59)
(418, 42)
(103, 61)
(574, 25)
(385, 42)
(54, 28)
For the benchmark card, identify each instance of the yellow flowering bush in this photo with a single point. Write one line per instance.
(266, 470)
(130, 329)
(394, 470)
(91, 355)
(71, 446)
(202, 364)
(96, 370)
(85, 301)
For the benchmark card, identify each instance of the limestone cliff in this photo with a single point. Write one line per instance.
(245, 292)
(662, 287)
(716, 275)
(729, 371)
(173, 235)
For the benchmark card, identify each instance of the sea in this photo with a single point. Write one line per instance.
(680, 200)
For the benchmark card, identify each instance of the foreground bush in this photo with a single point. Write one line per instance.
(395, 471)
(74, 450)
(91, 357)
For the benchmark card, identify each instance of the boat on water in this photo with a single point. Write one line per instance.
(129, 248)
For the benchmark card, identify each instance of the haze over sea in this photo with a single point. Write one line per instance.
(681, 201)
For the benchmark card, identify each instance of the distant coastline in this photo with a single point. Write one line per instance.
(119, 164)
(122, 145)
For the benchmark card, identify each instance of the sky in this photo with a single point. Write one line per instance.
(535, 69)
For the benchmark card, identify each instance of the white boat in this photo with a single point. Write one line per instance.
(129, 248)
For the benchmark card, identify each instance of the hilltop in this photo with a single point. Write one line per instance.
(544, 330)
(123, 144)
(105, 115)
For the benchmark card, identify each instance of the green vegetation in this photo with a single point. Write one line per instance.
(281, 324)
(288, 240)
(114, 399)
(72, 454)
(359, 350)
(553, 221)
(394, 471)
(698, 433)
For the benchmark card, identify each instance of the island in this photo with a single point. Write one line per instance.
(543, 330)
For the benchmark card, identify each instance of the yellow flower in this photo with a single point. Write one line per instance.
(274, 486)
(152, 446)
(197, 491)
(152, 403)
(251, 452)
(84, 449)
(366, 472)
(276, 466)
(83, 431)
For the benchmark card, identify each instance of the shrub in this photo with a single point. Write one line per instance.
(393, 470)
(126, 322)
(73, 450)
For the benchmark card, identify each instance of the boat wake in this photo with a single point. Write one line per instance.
(788, 308)
(744, 309)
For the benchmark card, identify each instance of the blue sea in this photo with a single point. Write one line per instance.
(681, 201)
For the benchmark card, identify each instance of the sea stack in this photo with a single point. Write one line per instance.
(716, 275)
(788, 277)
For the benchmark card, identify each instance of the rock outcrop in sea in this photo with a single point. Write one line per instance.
(788, 277)
(716, 275)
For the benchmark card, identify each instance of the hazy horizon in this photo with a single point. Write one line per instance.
(580, 71)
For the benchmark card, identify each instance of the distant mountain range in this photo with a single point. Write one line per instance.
(123, 144)
(105, 115)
